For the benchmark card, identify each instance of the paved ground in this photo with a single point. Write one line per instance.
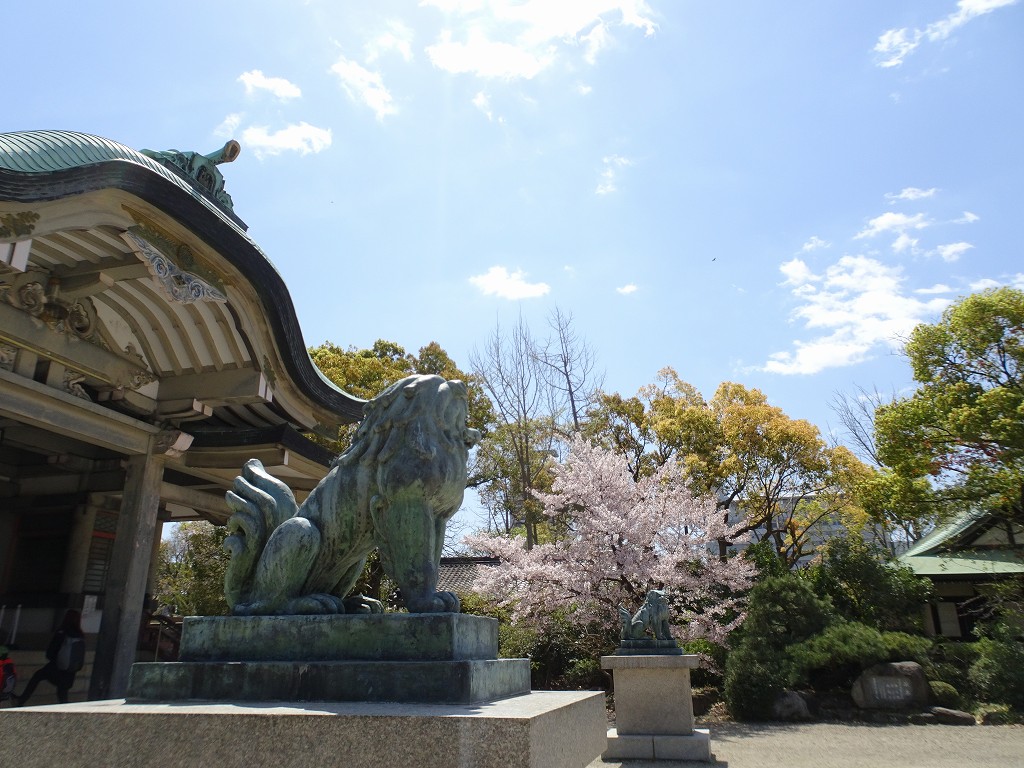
(825, 745)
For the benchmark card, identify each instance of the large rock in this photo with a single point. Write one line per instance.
(899, 685)
(790, 705)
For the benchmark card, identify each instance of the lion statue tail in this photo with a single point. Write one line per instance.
(259, 503)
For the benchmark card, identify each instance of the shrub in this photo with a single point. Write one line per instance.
(899, 646)
(753, 678)
(951, 662)
(713, 658)
(945, 695)
(998, 674)
(783, 610)
(835, 657)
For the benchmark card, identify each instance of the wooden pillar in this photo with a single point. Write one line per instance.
(127, 577)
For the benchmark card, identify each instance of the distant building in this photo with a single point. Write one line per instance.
(976, 549)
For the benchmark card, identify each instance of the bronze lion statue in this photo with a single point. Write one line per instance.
(652, 617)
(394, 490)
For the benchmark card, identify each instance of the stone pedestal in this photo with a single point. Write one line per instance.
(654, 709)
(423, 658)
(545, 729)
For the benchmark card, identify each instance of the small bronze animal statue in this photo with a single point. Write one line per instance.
(652, 617)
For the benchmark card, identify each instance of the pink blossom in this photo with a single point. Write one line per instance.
(623, 538)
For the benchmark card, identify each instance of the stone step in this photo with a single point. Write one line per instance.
(456, 682)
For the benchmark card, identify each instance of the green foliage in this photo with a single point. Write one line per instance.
(764, 557)
(784, 610)
(945, 695)
(836, 656)
(998, 673)
(366, 373)
(963, 424)
(901, 646)
(950, 662)
(781, 611)
(753, 678)
(191, 568)
(866, 586)
(713, 658)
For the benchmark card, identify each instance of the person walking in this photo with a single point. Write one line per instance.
(65, 656)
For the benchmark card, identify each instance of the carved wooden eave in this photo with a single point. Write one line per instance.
(127, 290)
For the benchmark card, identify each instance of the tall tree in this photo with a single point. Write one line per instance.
(539, 389)
(964, 425)
(900, 509)
(190, 570)
(366, 373)
(509, 371)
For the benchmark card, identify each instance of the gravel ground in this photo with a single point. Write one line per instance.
(826, 745)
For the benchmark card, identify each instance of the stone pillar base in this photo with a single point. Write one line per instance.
(544, 729)
(696, 746)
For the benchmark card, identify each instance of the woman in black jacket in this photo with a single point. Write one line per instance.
(62, 663)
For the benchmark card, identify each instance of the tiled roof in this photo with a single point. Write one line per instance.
(457, 574)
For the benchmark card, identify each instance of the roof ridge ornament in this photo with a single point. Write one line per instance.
(199, 169)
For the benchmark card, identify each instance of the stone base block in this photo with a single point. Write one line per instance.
(545, 729)
(353, 637)
(695, 746)
(453, 682)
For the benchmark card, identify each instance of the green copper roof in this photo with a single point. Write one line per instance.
(54, 151)
(48, 151)
(966, 563)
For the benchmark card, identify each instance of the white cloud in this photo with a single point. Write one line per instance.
(895, 45)
(488, 58)
(583, 89)
(984, 283)
(953, 251)
(967, 218)
(228, 126)
(911, 193)
(797, 273)
(302, 138)
(904, 243)
(856, 306)
(892, 222)
(398, 38)
(937, 288)
(364, 86)
(516, 39)
(814, 244)
(627, 289)
(611, 165)
(483, 102)
(254, 80)
(498, 281)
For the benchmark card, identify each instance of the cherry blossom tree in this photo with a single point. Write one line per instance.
(621, 538)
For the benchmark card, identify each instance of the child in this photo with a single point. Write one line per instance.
(62, 664)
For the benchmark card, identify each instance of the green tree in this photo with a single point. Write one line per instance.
(190, 571)
(964, 425)
(366, 373)
(866, 586)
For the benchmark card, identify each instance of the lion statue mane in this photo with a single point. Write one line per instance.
(394, 490)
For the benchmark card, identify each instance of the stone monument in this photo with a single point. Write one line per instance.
(653, 700)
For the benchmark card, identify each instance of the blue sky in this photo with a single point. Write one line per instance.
(771, 193)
